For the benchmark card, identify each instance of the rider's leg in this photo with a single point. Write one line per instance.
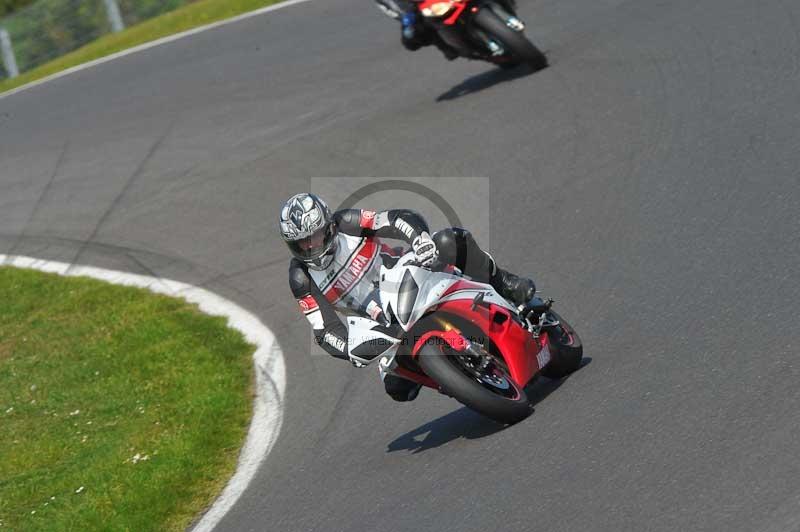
(457, 246)
(413, 35)
(401, 389)
(416, 34)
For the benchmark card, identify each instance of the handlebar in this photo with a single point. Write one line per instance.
(436, 265)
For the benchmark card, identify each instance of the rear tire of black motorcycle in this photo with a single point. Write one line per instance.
(566, 351)
(468, 392)
(522, 49)
(509, 66)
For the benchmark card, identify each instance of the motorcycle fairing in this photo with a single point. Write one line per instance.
(408, 292)
(460, 5)
(451, 17)
(388, 366)
(524, 354)
(366, 342)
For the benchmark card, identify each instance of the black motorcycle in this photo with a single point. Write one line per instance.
(487, 30)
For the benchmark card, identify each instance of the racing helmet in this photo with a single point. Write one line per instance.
(307, 227)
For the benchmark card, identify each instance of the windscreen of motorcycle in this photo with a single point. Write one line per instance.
(407, 292)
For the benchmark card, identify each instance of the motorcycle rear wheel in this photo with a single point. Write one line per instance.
(455, 381)
(521, 49)
(566, 350)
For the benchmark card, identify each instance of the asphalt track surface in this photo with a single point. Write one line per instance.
(648, 181)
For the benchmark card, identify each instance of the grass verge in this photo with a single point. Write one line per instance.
(184, 18)
(120, 409)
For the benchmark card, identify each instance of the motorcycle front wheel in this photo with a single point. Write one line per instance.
(491, 393)
(517, 45)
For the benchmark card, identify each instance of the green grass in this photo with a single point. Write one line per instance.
(187, 17)
(93, 375)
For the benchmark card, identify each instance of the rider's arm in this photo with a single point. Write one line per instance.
(329, 331)
(399, 224)
(397, 6)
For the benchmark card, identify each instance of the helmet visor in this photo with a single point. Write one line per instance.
(314, 246)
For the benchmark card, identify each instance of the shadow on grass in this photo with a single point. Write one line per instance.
(465, 423)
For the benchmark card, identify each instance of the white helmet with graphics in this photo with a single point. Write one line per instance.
(307, 228)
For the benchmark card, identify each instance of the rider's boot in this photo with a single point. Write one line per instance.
(410, 33)
(408, 23)
(518, 290)
(400, 389)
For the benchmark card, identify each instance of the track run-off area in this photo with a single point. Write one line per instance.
(649, 181)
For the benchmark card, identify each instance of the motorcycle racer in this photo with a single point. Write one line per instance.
(415, 34)
(337, 259)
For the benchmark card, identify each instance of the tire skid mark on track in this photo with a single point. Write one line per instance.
(62, 155)
(140, 168)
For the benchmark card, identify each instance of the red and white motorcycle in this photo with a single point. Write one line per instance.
(462, 338)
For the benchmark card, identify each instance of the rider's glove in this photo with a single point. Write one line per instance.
(424, 249)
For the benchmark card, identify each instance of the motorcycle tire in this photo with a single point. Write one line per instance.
(566, 350)
(467, 391)
(522, 50)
